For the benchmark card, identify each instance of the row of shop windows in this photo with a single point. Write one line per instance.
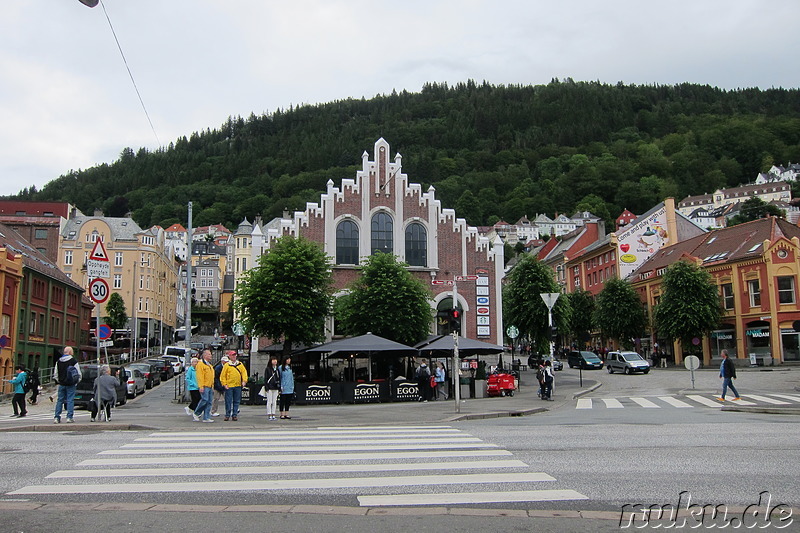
(381, 240)
(757, 342)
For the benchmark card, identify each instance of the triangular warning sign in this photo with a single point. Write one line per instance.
(99, 251)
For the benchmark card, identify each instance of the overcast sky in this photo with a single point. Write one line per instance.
(67, 102)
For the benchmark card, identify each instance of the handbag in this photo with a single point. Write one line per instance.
(433, 382)
(263, 392)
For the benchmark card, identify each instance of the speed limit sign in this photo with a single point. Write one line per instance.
(98, 290)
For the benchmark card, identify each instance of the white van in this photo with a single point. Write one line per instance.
(179, 356)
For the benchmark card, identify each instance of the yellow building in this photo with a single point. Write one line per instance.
(143, 270)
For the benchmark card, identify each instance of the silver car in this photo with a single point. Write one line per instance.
(136, 382)
(626, 362)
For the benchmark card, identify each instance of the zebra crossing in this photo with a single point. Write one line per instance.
(688, 401)
(378, 465)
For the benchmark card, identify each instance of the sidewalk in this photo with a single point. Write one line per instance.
(155, 410)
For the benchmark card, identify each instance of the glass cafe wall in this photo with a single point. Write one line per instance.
(723, 339)
(757, 336)
(790, 340)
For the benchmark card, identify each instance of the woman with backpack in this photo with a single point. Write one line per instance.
(18, 401)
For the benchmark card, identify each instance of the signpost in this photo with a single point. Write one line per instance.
(98, 268)
(550, 300)
(692, 363)
(98, 291)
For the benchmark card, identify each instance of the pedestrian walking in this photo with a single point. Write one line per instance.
(191, 386)
(287, 387)
(423, 375)
(540, 378)
(233, 378)
(547, 391)
(67, 374)
(35, 383)
(727, 373)
(18, 401)
(205, 384)
(105, 394)
(441, 381)
(219, 390)
(272, 382)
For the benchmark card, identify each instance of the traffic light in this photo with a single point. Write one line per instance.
(455, 320)
(553, 333)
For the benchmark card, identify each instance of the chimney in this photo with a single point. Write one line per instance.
(98, 212)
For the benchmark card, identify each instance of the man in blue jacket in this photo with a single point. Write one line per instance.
(727, 372)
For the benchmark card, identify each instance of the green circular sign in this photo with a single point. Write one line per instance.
(512, 332)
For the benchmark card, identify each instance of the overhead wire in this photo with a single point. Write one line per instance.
(124, 60)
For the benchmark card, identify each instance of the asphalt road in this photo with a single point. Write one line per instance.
(617, 452)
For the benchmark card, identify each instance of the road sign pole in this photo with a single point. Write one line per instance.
(456, 373)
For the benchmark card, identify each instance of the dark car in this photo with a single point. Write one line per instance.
(151, 371)
(84, 390)
(586, 360)
(165, 367)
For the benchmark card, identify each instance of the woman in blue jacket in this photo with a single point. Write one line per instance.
(19, 392)
(192, 387)
(287, 388)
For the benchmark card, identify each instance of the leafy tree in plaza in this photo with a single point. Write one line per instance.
(581, 323)
(287, 297)
(689, 306)
(116, 316)
(386, 300)
(619, 313)
(523, 306)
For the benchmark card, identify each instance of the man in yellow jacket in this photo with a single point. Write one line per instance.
(233, 378)
(205, 383)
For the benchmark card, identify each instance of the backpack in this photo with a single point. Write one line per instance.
(28, 385)
(540, 375)
(72, 376)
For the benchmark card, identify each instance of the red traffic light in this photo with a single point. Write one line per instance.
(455, 313)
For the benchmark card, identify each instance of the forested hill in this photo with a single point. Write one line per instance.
(491, 152)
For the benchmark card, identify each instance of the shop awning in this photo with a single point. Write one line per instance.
(442, 345)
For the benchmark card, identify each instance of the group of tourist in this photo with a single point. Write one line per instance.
(432, 386)
(209, 384)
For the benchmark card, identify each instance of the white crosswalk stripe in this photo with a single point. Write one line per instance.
(382, 465)
(686, 402)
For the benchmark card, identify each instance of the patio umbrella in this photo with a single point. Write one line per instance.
(367, 344)
(443, 345)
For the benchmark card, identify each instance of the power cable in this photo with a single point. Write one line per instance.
(124, 60)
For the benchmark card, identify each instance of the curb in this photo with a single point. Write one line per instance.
(80, 427)
(587, 391)
(764, 410)
(481, 416)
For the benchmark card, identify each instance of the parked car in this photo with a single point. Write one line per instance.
(583, 359)
(198, 346)
(135, 381)
(151, 371)
(533, 360)
(166, 368)
(626, 362)
(557, 365)
(217, 344)
(180, 355)
(84, 391)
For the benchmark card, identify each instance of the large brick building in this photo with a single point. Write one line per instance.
(380, 210)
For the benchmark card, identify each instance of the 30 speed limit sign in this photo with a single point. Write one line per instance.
(98, 290)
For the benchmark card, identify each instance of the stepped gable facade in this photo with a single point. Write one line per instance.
(379, 210)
